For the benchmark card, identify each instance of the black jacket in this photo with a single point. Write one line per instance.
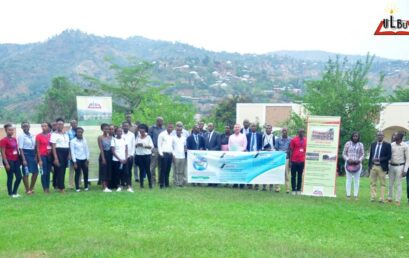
(213, 144)
(384, 155)
(191, 143)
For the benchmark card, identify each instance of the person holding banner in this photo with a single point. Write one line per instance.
(143, 153)
(61, 152)
(105, 158)
(224, 138)
(353, 155)
(283, 144)
(378, 165)
(11, 161)
(196, 141)
(27, 145)
(268, 143)
(80, 158)
(297, 161)
(237, 142)
(254, 143)
(44, 155)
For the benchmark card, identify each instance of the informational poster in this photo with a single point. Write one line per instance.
(321, 156)
(236, 167)
(94, 110)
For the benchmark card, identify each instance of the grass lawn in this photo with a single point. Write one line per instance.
(200, 222)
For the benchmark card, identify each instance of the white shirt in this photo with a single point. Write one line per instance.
(178, 146)
(268, 139)
(130, 141)
(61, 140)
(119, 147)
(165, 142)
(26, 141)
(185, 133)
(147, 142)
(79, 149)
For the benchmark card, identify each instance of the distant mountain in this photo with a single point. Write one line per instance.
(199, 76)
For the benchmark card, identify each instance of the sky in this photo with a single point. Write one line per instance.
(244, 26)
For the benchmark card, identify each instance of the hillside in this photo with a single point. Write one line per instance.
(200, 76)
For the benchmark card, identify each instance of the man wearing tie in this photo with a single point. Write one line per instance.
(213, 141)
(379, 157)
(254, 143)
(195, 142)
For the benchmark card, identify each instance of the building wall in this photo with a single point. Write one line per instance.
(253, 112)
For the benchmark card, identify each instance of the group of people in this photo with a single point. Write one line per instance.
(385, 158)
(142, 149)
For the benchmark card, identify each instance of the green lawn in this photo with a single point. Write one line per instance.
(200, 222)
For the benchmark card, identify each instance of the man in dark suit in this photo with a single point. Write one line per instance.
(254, 139)
(195, 141)
(213, 140)
(246, 127)
(378, 165)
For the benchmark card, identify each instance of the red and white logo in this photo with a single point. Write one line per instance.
(393, 25)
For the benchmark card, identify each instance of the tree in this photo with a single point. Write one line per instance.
(59, 100)
(129, 85)
(224, 113)
(133, 91)
(343, 92)
(400, 94)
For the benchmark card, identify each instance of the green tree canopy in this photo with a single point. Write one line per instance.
(59, 100)
(343, 91)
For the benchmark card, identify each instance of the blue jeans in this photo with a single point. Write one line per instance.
(45, 177)
(14, 171)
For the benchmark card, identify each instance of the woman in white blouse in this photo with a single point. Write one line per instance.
(27, 145)
(143, 152)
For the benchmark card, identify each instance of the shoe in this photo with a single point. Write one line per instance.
(298, 192)
(356, 198)
(130, 190)
(293, 193)
(78, 190)
(86, 189)
(287, 192)
(389, 200)
(381, 201)
(348, 198)
(119, 189)
(16, 196)
(277, 191)
(107, 190)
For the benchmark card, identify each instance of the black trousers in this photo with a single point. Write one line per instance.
(165, 165)
(13, 172)
(120, 175)
(62, 154)
(81, 166)
(297, 169)
(144, 162)
(129, 166)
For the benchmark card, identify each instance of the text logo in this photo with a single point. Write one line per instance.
(392, 25)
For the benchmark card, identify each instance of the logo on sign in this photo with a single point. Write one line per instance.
(393, 25)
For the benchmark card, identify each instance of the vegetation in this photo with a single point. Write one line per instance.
(200, 222)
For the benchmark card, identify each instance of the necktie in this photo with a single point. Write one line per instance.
(253, 139)
(377, 150)
(197, 142)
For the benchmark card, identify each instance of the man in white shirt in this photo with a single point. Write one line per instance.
(179, 157)
(165, 149)
(185, 132)
(80, 158)
(130, 141)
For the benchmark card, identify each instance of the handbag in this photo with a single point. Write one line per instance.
(353, 167)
